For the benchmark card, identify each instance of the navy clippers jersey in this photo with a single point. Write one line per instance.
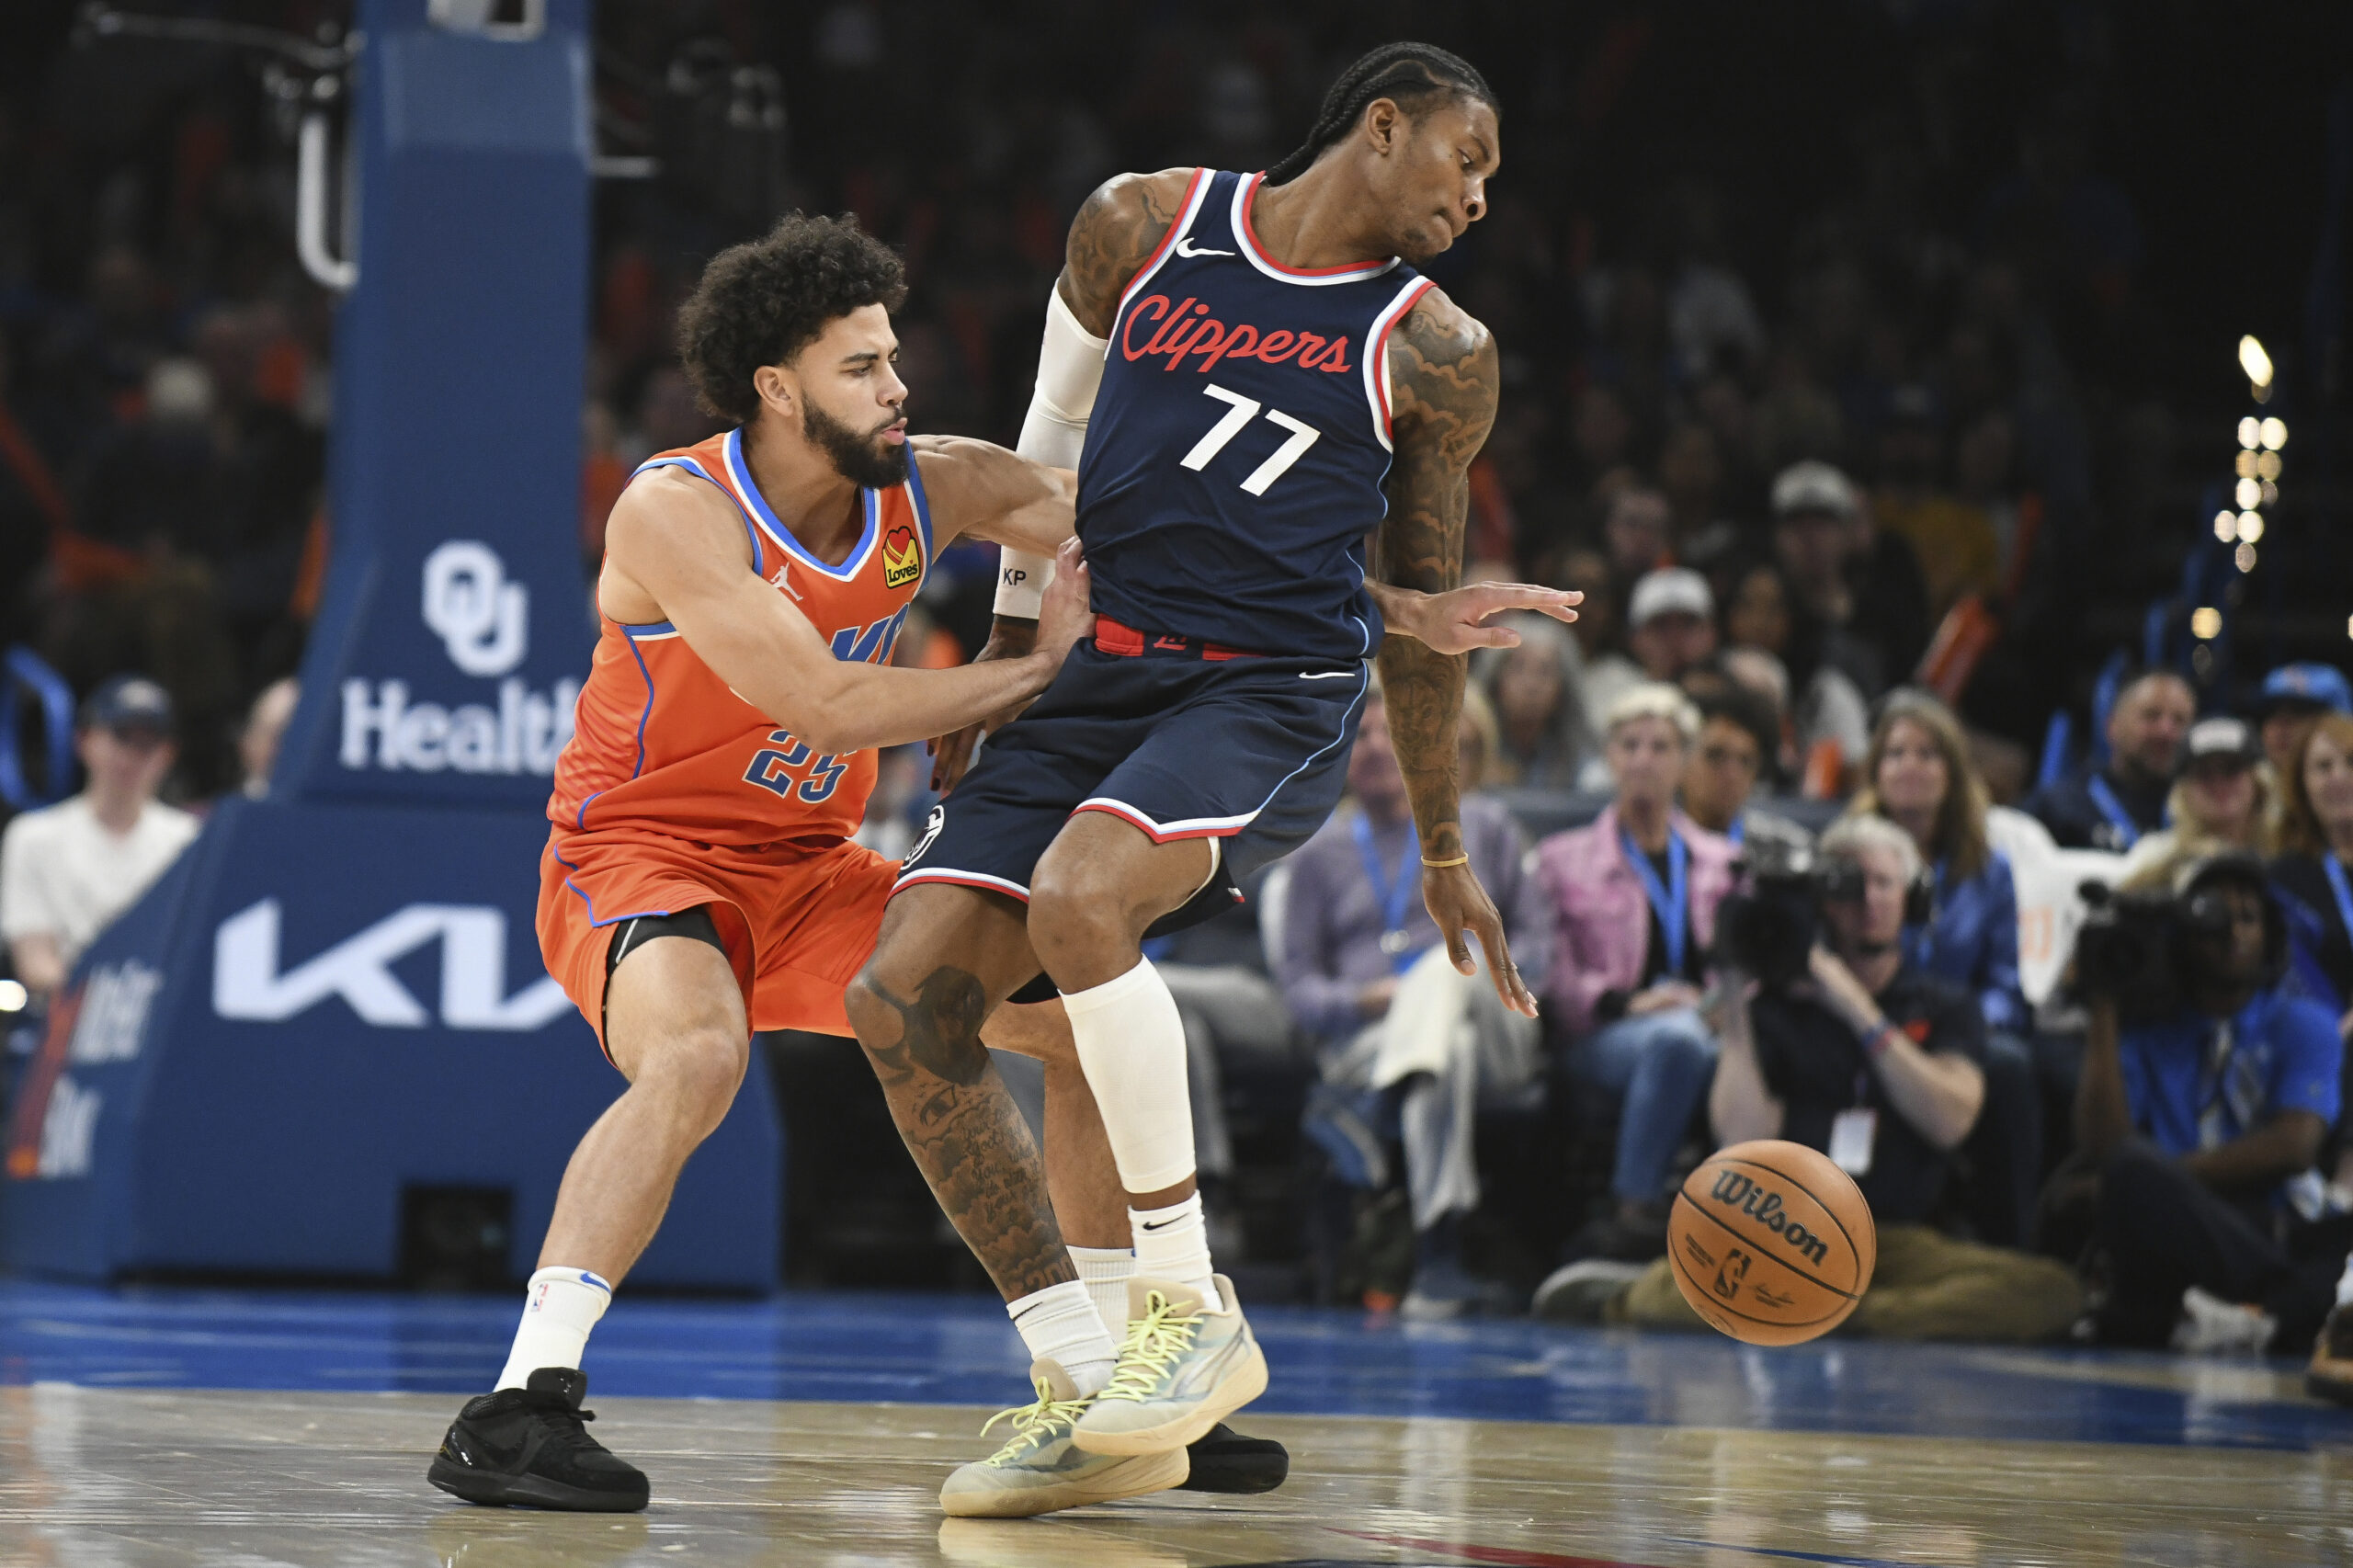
(1234, 459)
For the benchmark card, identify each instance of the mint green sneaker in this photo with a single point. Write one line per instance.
(1041, 1469)
(1182, 1370)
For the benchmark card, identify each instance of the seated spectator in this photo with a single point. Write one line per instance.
(2110, 806)
(68, 869)
(259, 742)
(2314, 883)
(2315, 873)
(1625, 979)
(2223, 802)
(1670, 627)
(1362, 968)
(1738, 733)
(1890, 1057)
(2294, 697)
(1671, 622)
(1536, 693)
(1825, 705)
(1637, 533)
(1819, 531)
(1918, 774)
(2198, 1122)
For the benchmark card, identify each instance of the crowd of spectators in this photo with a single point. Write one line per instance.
(1822, 458)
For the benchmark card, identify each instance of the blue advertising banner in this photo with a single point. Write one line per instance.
(318, 1010)
(335, 999)
(455, 627)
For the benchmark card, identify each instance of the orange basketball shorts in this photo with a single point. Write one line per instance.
(799, 918)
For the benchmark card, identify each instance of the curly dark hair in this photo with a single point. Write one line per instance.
(765, 300)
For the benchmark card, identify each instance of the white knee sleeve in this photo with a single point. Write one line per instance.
(1131, 1046)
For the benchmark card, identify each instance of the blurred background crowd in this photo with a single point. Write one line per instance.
(1875, 369)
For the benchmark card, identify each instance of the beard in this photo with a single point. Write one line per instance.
(862, 457)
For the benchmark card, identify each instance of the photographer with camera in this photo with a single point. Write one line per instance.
(2207, 1091)
(1861, 1055)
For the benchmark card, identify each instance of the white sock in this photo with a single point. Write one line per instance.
(1130, 1043)
(1104, 1271)
(1059, 1324)
(1173, 1243)
(560, 1306)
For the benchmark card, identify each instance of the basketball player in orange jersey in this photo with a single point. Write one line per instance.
(699, 880)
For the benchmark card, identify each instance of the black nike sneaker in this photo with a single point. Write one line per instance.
(527, 1447)
(1225, 1461)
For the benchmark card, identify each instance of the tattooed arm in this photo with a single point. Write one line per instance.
(1113, 235)
(1443, 381)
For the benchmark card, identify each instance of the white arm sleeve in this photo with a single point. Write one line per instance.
(1070, 369)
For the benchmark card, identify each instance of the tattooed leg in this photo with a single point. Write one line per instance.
(946, 958)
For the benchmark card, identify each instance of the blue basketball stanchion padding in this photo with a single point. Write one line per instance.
(335, 1002)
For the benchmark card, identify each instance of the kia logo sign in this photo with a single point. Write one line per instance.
(248, 984)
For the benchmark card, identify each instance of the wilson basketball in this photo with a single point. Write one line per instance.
(1771, 1243)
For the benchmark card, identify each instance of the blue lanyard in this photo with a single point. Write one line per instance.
(2328, 863)
(1738, 830)
(2113, 810)
(1395, 898)
(1672, 902)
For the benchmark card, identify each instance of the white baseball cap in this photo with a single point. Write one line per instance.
(1814, 486)
(1668, 590)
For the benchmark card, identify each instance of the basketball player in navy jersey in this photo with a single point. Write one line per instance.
(1250, 378)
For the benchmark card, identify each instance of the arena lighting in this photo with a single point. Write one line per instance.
(2273, 430)
(2254, 361)
(2268, 466)
(2251, 432)
(2205, 622)
(2250, 493)
(13, 996)
(2244, 558)
(2250, 526)
(2226, 526)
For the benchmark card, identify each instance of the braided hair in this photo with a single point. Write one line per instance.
(1405, 72)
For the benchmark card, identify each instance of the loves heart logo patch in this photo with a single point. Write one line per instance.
(901, 558)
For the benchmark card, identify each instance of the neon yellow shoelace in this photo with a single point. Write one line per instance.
(1033, 1421)
(1155, 1342)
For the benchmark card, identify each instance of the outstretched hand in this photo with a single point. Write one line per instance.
(1062, 619)
(1457, 620)
(1458, 903)
(952, 754)
(1065, 617)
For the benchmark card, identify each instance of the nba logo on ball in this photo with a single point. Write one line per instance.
(1771, 1243)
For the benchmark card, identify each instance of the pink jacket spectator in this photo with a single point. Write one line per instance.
(1602, 920)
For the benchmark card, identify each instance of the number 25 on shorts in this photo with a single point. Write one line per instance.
(773, 771)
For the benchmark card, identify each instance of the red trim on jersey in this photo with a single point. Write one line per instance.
(1150, 829)
(1250, 236)
(1125, 642)
(1380, 346)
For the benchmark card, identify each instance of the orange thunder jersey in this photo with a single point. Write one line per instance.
(661, 744)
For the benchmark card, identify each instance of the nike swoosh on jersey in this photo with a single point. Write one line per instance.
(1325, 675)
(1186, 247)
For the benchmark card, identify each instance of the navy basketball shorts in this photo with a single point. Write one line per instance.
(1248, 752)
